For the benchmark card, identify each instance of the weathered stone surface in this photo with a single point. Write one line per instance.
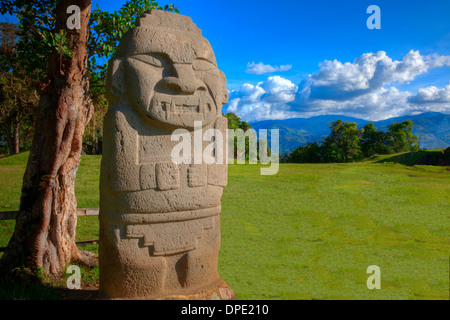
(160, 221)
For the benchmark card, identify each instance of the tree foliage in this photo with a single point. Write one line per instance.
(310, 153)
(372, 141)
(234, 122)
(342, 145)
(346, 143)
(36, 36)
(18, 97)
(399, 137)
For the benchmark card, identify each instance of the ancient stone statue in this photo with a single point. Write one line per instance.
(159, 221)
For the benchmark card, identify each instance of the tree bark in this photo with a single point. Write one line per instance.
(12, 139)
(16, 140)
(9, 139)
(44, 236)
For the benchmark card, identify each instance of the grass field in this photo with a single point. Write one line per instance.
(311, 231)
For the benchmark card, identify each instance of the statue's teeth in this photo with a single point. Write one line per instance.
(171, 109)
(200, 107)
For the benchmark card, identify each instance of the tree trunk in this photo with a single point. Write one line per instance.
(16, 139)
(9, 139)
(44, 235)
(12, 139)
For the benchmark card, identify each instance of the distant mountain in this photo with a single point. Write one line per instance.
(432, 128)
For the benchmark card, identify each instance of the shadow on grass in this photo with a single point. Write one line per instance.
(421, 157)
(83, 294)
(28, 287)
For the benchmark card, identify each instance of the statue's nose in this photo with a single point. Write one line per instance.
(183, 79)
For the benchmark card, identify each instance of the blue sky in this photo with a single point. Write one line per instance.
(298, 58)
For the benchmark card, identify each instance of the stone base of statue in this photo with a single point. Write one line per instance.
(221, 291)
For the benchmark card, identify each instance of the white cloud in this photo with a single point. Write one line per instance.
(370, 71)
(278, 89)
(365, 88)
(284, 67)
(432, 95)
(260, 68)
(265, 100)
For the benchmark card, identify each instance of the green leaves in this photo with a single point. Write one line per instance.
(36, 22)
(57, 41)
(400, 138)
(343, 142)
(234, 122)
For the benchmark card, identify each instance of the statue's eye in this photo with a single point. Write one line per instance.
(155, 60)
(203, 65)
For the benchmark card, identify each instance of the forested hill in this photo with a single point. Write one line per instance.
(432, 128)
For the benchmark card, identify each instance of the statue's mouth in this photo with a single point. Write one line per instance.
(172, 105)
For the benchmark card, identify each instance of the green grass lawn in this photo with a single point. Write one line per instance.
(311, 231)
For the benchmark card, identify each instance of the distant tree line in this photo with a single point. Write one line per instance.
(347, 143)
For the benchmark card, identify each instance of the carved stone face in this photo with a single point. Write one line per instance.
(172, 77)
